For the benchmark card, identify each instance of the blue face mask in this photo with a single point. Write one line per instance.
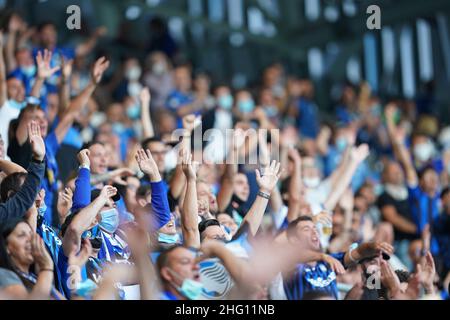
(226, 101)
(29, 71)
(118, 128)
(168, 238)
(17, 105)
(110, 220)
(246, 106)
(86, 288)
(134, 112)
(191, 289)
(341, 144)
(42, 209)
(271, 111)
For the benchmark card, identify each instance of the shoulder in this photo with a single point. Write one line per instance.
(9, 278)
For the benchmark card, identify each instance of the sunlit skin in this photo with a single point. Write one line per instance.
(203, 189)
(228, 222)
(307, 234)
(181, 265)
(19, 246)
(169, 227)
(214, 233)
(158, 151)
(98, 158)
(15, 89)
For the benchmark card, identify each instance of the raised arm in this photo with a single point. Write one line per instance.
(83, 220)
(86, 47)
(147, 125)
(18, 204)
(160, 204)
(44, 71)
(397, 136)
(366, 250)
(226, 186)
(82, 99)
(357, 156)
(64, 89)
(266, 183)
(178, 181)
(189, 214)
(9, 167)
(82, 193)
(295, 186)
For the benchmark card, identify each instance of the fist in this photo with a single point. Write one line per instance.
(83, 158)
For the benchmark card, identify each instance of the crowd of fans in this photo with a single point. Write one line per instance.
(101, 200)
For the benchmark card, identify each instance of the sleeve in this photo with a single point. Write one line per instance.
(8, 278)
(384, 200)
(413, 192)
(160, 204)
(82, 193)
(17, 205)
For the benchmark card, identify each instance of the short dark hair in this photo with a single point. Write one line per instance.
(145, 142)
(317, 295)
(44, 24)
(12, 182)
(163, 258)
(89, 144)
(207, 223)
(143, 190)
(293, 224)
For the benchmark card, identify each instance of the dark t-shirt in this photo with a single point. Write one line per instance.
(403, 209)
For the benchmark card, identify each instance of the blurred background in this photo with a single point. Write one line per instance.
(233, 40)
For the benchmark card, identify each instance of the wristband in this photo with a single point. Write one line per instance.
(33, 159)
(264, 195)
(85, 166)
(352, 247)
(51, 270)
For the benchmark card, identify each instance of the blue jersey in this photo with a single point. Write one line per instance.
(51, 174)
(308, 278)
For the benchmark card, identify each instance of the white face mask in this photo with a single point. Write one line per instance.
(159, 68)
(133, 73)
(398, 192)
(424, 151)
(311, 182)
(170, 160)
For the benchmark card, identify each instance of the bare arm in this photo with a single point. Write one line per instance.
(146, 120)
(391, 215)
(266, 183)
(86, 47)
(9, 167)
(64, 90)
(189, 215)
(397, 136)
(82, 99)
(357, 156)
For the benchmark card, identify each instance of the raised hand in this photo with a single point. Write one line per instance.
(82, 257)
(264, 157)
(269, 179)
(389, 279)
(427, 272)
(389, 112)
(36, 141)
(108, 192)
(83, 158)
(43, 65)
(147, 164)
(187, 165)
(40, 254)
(370, 249)
(98, 69)
(65, 201)
(360, 153)
(66, 67)
(118, 174)
(100, 31)
(294, 155)
(190, 122)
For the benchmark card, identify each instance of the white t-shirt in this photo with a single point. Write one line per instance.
(7, 113)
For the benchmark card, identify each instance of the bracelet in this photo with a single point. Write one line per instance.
(51, 270)
(264, 195)
(352, 247)
(85, 166)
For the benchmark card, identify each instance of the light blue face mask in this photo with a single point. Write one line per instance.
(246, 106)
(16, 104)
(86, 288)
(191, 289)
(118, 128)
(134, 112)
(110, 220)
(226, 101)
(42, 209)
(341, 144)
(168, 238)
(29, 71)
(271, 111)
